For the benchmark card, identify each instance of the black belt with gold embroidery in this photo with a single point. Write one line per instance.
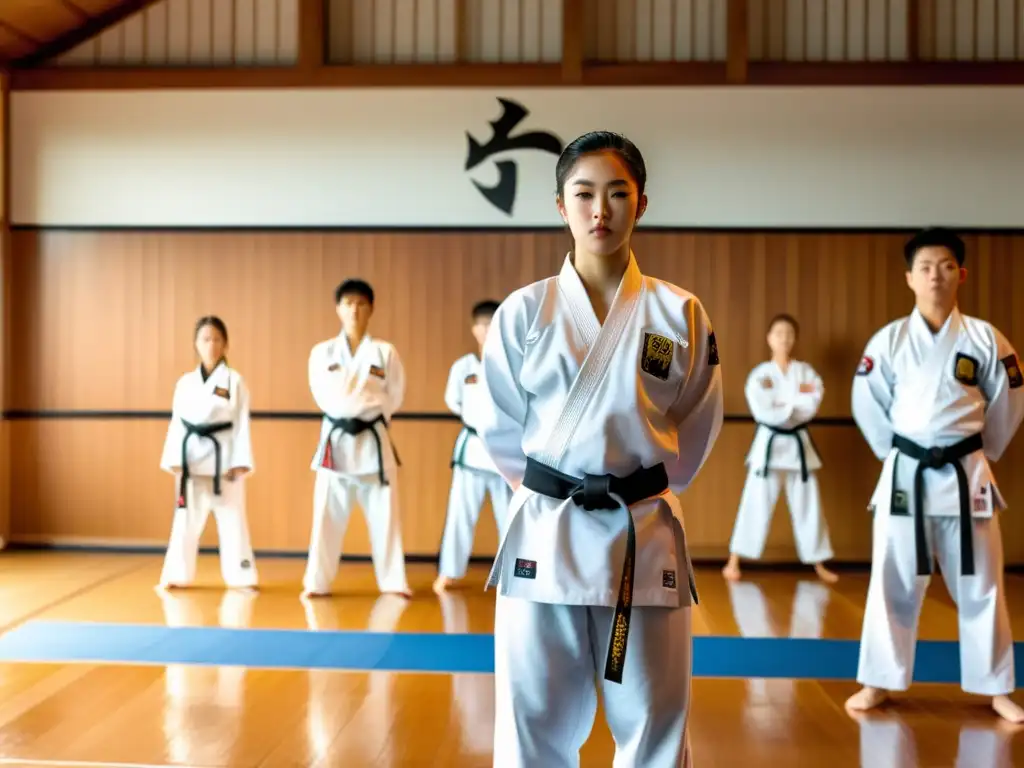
(207, 431)
(936, 458)
(786, 432)
(593, 492)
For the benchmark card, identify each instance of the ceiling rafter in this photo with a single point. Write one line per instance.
(90, 28)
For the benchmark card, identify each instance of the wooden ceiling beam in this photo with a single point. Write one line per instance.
(86, 31)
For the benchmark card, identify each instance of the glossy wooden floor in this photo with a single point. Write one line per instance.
(196, 716)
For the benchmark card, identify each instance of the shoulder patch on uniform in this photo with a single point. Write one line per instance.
(867, 365)
(1012, 366)
(656, 358)
(965, 369)
(471, 379)
(712, 349)
(767, 383)
(222, 392)
(376, 370)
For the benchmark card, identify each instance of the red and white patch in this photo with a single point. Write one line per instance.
(867, 365)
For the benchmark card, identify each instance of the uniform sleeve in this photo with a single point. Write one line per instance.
(764, 403)
(395, 382)
(241, 444)
(171, 456)
(1004, 388)
(871, 396)
(699, 407)
(806, 404)
(503, 408)
(324, 384)
(453, 390)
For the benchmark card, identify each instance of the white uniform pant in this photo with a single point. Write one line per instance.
(757, 505)
(237, 564)
(896, 592)
(333, 498)
(547, 659)
(469, 489)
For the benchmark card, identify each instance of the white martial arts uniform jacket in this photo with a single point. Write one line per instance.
(584, 399)
(464, 395)
(367, 385)
(937, 390)
(775, 400)
(223, 397)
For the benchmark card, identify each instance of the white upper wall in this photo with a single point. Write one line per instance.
(717, 157)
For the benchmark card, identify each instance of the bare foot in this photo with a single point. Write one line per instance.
(407, 594)
(825, 574)
(441, 583)
(250, 588)
(866, 698)
(1007, 709)
(307, 593)
(169, 587)
(732, 569)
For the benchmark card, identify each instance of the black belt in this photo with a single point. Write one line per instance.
(200, 430)
(593, 492)
(355, 427)
(936, 458)
(787, 432)
(460, 453)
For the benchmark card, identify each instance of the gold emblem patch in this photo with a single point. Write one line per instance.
(222, 392)
(965, 369)
(656, 359)
(376, 370)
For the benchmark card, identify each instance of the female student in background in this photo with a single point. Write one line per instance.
(208, 450)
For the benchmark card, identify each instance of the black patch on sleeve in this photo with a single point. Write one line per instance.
(712, 349)
(1012, 366)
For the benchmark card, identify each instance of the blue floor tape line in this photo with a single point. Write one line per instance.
(738, 657)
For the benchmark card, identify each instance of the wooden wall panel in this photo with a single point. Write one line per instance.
(104, 322)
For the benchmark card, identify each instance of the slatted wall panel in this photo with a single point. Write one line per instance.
(104, 322)
(881, 30)
(828, 30)
(442, 31)
(655, 30)
(197, 32)
(971, 30)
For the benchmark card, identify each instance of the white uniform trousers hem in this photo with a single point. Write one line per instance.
(896, 594)
(334, 495)
(757, 507)
(546, 689)
(237, 562)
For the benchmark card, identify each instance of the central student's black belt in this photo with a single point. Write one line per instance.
(459, 454)
(785, 432)
(356, 427)
(207, 431)
(598, 492)
(937, 458)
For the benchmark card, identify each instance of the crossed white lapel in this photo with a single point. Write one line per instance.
(601, 342)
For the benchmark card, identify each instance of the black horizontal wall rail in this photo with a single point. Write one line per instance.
(86, 414)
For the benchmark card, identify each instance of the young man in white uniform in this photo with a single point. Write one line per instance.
(938, 396)
(208, 450)
(784, 396)
(604, 400)
(474, 475)
(358, 382)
